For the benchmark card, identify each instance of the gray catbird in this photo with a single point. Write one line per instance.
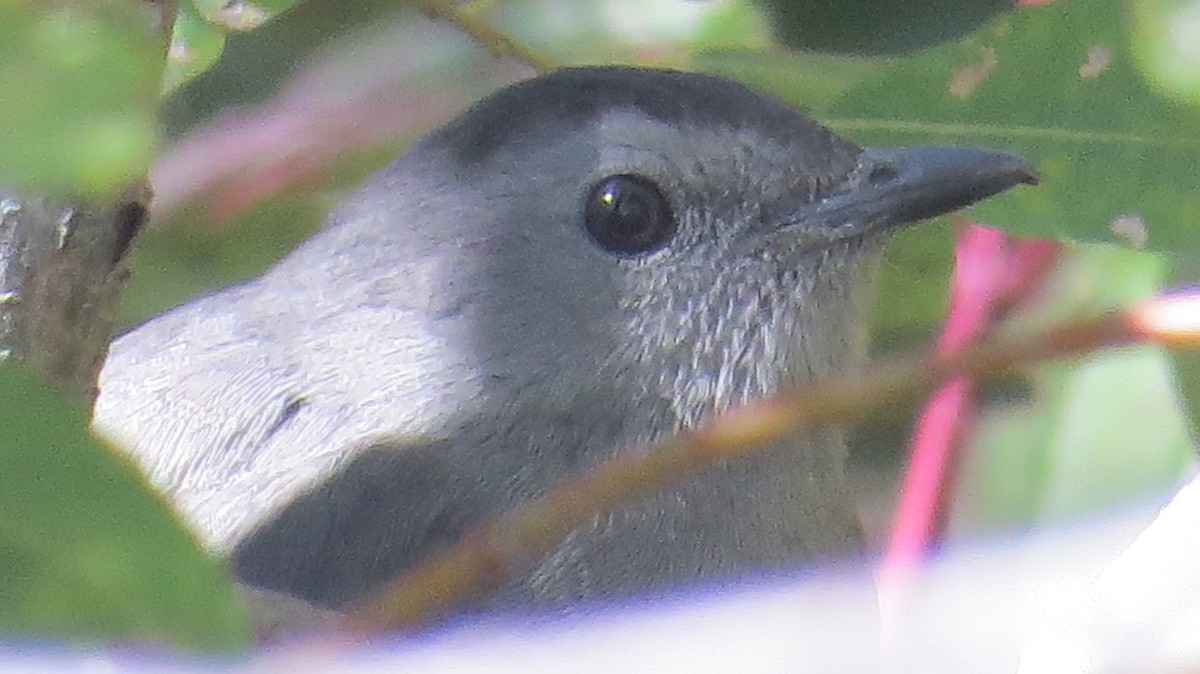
(580, 263)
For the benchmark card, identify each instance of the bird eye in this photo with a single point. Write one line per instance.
(627, 215)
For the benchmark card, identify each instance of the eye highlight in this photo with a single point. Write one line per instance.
(627, 215)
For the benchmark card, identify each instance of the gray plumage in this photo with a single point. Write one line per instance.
(454, 342)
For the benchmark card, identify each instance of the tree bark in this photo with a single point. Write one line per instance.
(62, 269)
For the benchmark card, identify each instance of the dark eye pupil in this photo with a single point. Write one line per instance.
(627, 215)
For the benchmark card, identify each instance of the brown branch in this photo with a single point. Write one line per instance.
(61, 277)
(495, 42)
(490, 555)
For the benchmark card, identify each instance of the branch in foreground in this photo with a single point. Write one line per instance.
(496, 43)
(62, 270)
(486, 558)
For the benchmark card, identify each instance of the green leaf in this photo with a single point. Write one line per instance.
(87, 551)
(1096, 431)
(196, 45)
(877, 26)
(1057, 84)
(80, 88)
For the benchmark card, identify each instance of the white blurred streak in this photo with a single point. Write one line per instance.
(1144, 605)
(638, 21)
(1073, 598)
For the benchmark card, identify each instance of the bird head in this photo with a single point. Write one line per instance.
(678, 234)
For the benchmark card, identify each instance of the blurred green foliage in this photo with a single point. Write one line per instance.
(86, 550)
(78, 96)
(1166, 44)
(1057, 84)
(859, 27)
(196, 44)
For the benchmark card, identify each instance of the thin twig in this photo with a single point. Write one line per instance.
(490, 555)
(497, 43)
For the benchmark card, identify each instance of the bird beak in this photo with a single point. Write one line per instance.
(892, 187)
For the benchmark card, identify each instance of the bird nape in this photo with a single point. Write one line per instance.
(579, 264)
